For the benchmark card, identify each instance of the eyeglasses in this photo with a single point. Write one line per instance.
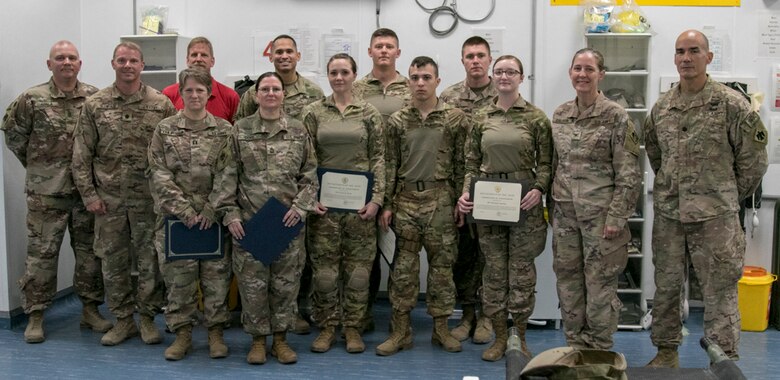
(510, 73)
(268, 90)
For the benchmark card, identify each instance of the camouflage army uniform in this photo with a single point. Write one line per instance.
(708, 152)
(109, 163)
(38, 129)
(386, 100)
(182, 165)
(341, 245)
(296, 96)
(267, 159)
(516, 144)
(467, 272)
(597, 182)
(427, 157)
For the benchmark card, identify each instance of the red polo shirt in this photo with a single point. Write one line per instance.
(223, 101)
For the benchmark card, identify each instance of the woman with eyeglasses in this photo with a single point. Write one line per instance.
(511, 140)
(347, 135)
(270, 155)
(595, 190)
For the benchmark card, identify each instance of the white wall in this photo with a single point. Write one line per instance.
(24, 65)
(28, 31)
(233, 43)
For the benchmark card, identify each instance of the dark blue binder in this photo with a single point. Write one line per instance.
(266, 236)
(182, 243)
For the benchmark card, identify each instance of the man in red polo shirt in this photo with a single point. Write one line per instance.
(223, 101)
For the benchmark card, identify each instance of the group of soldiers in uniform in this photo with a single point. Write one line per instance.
(110, 165)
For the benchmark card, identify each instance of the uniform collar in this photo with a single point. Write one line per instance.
(677, 100)
(297, 87)
(468, 93)
(398, 78)
(210, 121)
(440, 106)
(520, 104)
(78, 92)
(595, 110)
(272, 127)
(139, 95)
(329, 101)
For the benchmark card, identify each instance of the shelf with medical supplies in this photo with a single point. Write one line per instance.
(164, 56)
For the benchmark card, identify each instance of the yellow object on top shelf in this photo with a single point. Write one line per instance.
(700, 3)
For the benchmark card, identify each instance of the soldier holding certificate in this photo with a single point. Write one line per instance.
(347, 135)
(511, 140)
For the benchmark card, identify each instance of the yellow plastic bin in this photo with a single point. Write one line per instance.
(755, 290)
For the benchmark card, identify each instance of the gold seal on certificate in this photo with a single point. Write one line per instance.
(342, 190)
(497, 202)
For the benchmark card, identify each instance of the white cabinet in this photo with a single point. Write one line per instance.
(627, 61)
(164, 55)
(627, 58)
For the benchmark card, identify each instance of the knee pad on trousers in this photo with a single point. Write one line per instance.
(358, 279)
(325, 280)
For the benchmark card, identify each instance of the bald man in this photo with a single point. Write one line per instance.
(38, 129)
(707, 148)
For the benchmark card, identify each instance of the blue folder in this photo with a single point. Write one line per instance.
(182, 243)
(266, 236)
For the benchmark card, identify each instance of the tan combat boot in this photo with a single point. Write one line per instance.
(34, 331)
(441, 336)
(257, 353)
(124, 329)
(91, 318)
(498, 348)
(149, 332)
(217, 347)
(666, 357)
(283, 352)
(355, 343)
(325, 340)
(400, 339)
(301, 327)
(522, 327)
(467, 324)
(484, 331)
(182, 345)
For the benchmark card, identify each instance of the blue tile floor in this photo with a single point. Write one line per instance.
(71, 352)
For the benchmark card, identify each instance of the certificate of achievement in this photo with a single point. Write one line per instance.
(344, 190)
(497, 201)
